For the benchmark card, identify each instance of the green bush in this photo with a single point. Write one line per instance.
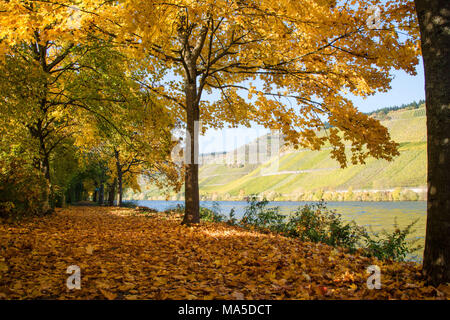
(318, 224)
(23, 190)
(392, 246)
(129, 204)
(206, 214)
(259, 215)
(179, 209)
(231, 218)
(409, 195)
(211, 215)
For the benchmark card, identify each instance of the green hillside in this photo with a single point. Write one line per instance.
(303, 173)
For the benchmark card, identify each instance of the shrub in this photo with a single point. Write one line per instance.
(23, 190)
(179, 209)
(318, 224)
(259, 215)
(129, 204)
(211, 215)
(409, 195)
(396, 194)
(206, 214)
(146, 209)
(231, 218)
(393, 246)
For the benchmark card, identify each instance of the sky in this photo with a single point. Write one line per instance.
(405, 89)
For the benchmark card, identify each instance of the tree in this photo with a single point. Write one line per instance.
(134, 141)
(349, 195)
(148, 155)
(64, 167)
(60, 81)
(53, 76)
(396, 194)
(434, 21)
(318, 195)
(142, 147)
(301, 55)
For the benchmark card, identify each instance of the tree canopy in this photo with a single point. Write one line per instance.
(66, 92)
(286, 65)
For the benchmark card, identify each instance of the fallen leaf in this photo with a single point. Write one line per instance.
(89, 249)
(108, 295)
(238, 295)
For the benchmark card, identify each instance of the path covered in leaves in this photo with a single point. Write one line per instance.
(126, 254)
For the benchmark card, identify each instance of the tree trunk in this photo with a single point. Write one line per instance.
(42, 162)
(120, 189)
(101, 194)
(191, 196)
(63, 200)
(112, 192)
(434, 21)
(47, 207)
(119, 178)
(190, 56)
(94, 197)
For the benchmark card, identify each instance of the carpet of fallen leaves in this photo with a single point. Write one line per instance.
(127, 254)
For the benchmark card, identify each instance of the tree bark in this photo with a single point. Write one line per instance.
(46, 206)
(42, 161)
(119, 178)
(120, 189)
(192, 199)
(434, 21)
(101, 194)
(94, 197)
(190, 55)
(112, 192)
(63, 200)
